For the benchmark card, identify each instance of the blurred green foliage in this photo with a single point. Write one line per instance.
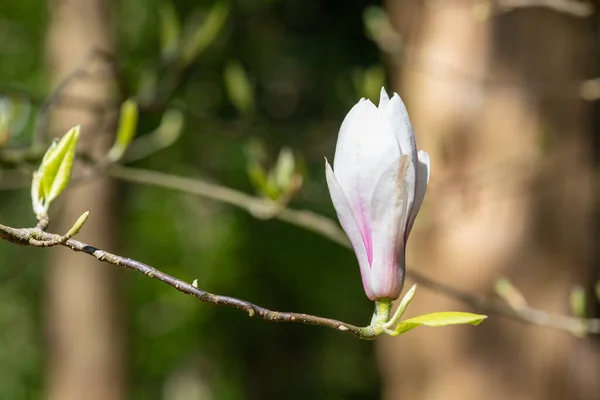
(299, 65)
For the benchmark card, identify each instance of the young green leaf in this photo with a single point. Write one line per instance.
(258, 176)
(204, 34)
(239, 88)
(263, 181)
(37, 200)
(170, 29)
(54, 172)
(162, 137)
(439, 319)
(284, 169)
(127, 129)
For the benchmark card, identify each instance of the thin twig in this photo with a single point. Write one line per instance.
(329, 228)
(38, 238)
(262, 209)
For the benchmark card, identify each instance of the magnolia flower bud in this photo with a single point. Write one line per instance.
(377, 185)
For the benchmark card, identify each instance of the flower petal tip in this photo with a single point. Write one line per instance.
(383, 98)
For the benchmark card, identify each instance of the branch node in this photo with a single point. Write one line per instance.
(43, 222)
(100, 254)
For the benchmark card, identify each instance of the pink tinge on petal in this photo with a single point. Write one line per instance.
(360, 214)
(387, 282)
(347, 217)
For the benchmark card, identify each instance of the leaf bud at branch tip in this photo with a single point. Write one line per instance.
(78, 224)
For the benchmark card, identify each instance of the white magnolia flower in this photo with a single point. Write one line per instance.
(377, 185)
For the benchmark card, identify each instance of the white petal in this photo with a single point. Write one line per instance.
(389, 213)
(366, 145)
(354, 116)
(426, 165)
(396, 114)
(383, 98)
(350, 226)
(423, 171)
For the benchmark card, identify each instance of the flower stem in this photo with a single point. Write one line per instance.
(380, 317)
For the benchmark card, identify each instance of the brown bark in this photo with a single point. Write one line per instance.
(511, 195)
(85, 333)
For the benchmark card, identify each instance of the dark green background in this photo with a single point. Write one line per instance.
(300, 56)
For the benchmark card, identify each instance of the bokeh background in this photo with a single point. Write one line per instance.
(502, 94)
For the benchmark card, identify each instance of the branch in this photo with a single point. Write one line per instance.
(38, 238)
(259, 208)
(264, 209)
(328, 228)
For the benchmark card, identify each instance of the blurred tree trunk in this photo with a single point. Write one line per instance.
(495, 104)
(85, 333)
